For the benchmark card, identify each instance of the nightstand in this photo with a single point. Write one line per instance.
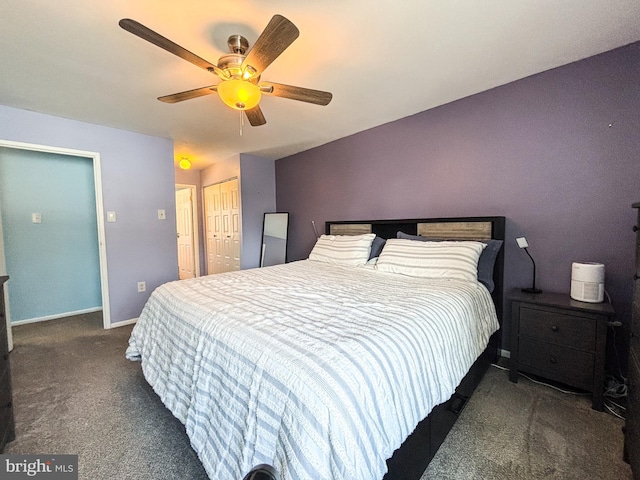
(561, 339)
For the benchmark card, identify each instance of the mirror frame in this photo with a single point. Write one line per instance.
(267, 216)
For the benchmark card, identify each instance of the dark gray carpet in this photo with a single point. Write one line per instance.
(528, 431)
(75, 393)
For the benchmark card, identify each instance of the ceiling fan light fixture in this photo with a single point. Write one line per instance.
(249, 73)
(239, 94)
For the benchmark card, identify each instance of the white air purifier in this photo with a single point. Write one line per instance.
(587, 282)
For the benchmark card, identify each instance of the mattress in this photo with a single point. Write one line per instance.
(319, 370)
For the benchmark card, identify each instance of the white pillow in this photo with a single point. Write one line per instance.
(457, 260)
(343, 249)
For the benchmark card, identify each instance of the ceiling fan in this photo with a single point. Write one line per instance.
(239, 70)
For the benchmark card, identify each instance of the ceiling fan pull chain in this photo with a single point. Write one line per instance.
(241, 122)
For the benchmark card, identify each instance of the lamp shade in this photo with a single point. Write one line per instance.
(239, 94)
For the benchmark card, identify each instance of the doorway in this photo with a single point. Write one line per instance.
(187, 232)
(94, 157)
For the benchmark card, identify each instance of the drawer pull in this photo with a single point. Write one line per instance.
(635, 277)
(554, 328)
(635, 228)
(5, 356)
(9, 405)
(553, 360)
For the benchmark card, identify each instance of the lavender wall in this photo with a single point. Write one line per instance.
(257, 196)
(558, 154)
(137, 180)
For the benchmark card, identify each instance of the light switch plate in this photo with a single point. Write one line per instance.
(111, 216)
(36, 218)
(162, 215)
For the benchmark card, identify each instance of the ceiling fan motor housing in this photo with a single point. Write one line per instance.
(238, 44)
(232, 64)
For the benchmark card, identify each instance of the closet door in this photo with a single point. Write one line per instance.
(217, 232)
(208, 227)
(222, 213)
(234, 213)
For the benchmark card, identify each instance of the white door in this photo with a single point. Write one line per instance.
(209, 217)
(222, 213)
(234, 212)
(218, 230)
(184, 225)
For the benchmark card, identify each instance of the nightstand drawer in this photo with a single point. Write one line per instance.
(562, 364)
(558, 328)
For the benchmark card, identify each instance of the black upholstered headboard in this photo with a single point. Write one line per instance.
(460, 228)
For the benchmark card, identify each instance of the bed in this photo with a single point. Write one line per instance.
(324, 370)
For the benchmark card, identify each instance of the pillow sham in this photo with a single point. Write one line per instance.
(351, 250)
(455, 260)
(485, 264)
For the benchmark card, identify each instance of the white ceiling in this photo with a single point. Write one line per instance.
(381, 59)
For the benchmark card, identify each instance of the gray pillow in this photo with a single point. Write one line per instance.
(376, 247)
(485, 263)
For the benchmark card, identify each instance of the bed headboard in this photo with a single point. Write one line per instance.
(459, 228)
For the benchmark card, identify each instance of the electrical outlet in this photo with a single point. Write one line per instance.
(162, 215)
(142, 287)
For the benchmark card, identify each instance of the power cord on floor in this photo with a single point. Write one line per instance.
(612, 409)
(615, 385)
(616, 390)
(569, 392)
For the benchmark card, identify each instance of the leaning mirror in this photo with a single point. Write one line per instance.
(274, 239)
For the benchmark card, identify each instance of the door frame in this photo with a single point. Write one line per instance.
(195, 227)
(102, 244)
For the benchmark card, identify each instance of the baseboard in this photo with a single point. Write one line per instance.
(123, 323)
(15, 323)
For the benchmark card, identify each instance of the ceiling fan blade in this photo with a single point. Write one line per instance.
(255, 116)
(308, 95)
(149, 35)
(189, 94)
(276, 37)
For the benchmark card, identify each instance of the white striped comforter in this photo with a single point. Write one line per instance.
(317, 369)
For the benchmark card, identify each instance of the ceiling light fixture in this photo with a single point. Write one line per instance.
(239, 94)
(184, 163)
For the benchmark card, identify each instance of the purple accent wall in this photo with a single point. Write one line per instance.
(557, 154)
(137, 180)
